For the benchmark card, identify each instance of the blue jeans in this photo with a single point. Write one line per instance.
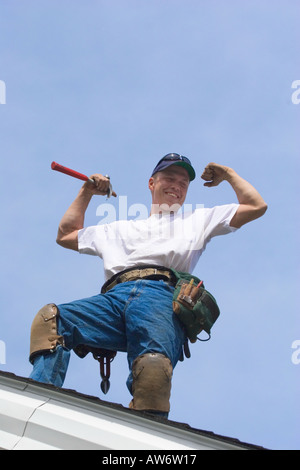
(134, 317)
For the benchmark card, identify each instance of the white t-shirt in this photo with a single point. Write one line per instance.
(171, 240)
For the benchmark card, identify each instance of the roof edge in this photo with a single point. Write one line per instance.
(23, 383)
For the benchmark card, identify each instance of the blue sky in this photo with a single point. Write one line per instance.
(110, 87)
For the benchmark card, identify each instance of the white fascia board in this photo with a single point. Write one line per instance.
(16, 408)
(85, 429)
(37, 417)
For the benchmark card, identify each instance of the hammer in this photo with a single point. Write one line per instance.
(80, 176)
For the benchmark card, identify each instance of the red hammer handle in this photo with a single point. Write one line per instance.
(68, 171)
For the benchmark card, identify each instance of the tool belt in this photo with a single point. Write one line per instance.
(194, 306)
(140, 272)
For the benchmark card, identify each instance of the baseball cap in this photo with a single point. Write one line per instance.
(175, 159)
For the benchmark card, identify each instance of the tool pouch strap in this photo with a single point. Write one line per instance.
(198, 310)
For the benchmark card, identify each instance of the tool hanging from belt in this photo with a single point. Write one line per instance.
(104, 357)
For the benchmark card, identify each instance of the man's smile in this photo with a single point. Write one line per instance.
(172, 194)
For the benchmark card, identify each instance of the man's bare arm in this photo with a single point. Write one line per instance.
(73, 219)
(252, 205)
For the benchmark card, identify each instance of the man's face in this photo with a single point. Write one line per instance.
(169, 187)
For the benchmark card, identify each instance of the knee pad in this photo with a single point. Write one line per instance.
(44, 337)
(151, 387)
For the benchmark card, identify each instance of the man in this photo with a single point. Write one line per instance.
(133, 313)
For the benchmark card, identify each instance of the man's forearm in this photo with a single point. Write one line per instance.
(252, 205)
(245, 192)
(73, 219)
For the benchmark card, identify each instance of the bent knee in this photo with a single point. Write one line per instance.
(152, 377)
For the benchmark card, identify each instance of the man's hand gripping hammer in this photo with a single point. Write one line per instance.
(67, 171)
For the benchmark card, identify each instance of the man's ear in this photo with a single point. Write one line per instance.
(151, 183)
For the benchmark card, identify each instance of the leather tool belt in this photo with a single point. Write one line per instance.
(140, 272)
(194, 306)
